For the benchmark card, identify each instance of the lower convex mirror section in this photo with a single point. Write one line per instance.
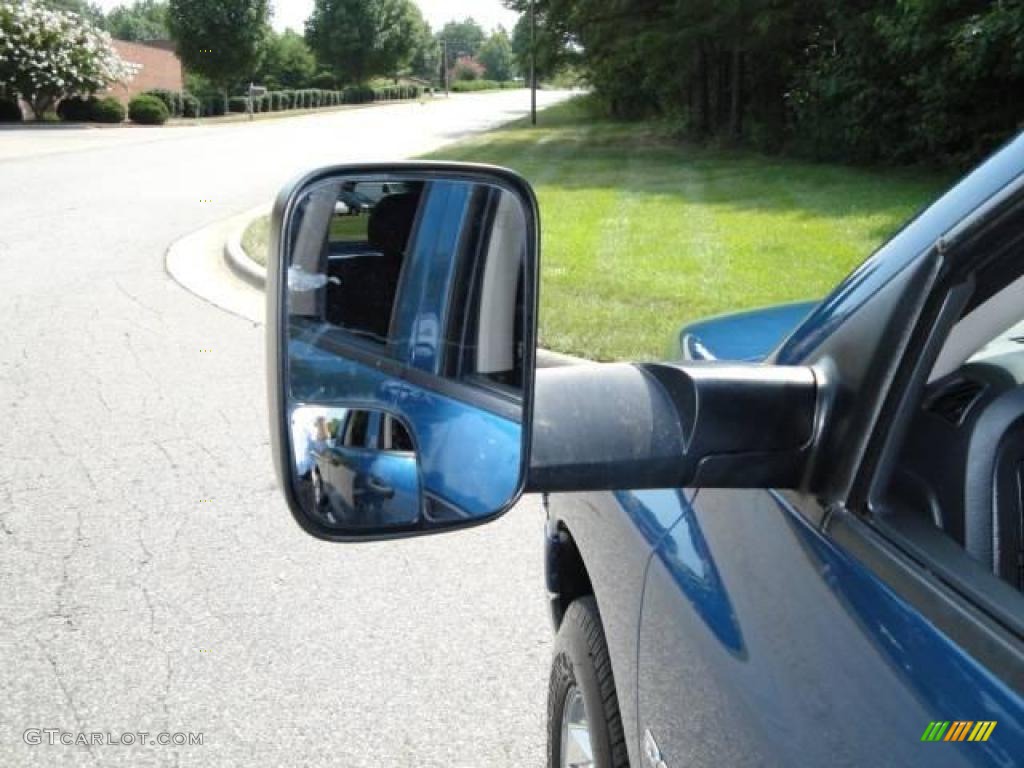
(401, 344)
(355, 469)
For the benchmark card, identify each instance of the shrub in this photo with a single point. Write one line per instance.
(75, 108)
(190, 106)
(148, 110)
(238, 104)
(211, 98)
(108, 110)
(324, 80)
(10, 111)
(214, 105)
(359, 94)
(171, 99)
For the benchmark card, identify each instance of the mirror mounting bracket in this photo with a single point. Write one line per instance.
(628, 426)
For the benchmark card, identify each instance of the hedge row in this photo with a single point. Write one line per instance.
(183, 104)
(465, 86)
(314, 98)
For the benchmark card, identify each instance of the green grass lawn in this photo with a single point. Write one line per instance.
(642, 235)
(256, 239)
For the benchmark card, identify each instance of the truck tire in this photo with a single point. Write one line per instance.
(583, 709)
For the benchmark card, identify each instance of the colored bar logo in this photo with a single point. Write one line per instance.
(959, 730)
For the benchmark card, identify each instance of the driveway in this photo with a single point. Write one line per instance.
(152, 580)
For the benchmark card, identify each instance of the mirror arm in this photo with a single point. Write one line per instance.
(630, 426)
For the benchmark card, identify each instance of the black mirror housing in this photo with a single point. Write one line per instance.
(623, 426)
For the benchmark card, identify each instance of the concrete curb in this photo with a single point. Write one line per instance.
(234, 254)
(196, 262)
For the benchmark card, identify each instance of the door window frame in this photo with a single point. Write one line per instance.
(936, 576)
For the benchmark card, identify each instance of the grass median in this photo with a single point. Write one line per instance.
(642, 235)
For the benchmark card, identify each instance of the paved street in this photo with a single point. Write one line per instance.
(150, 576)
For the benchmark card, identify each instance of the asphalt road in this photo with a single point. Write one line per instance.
(151, 579)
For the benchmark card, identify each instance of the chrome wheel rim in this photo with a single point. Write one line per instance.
(577, 751)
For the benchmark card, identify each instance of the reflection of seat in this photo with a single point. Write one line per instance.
(391, 223)
(363, 298)
(395, 437)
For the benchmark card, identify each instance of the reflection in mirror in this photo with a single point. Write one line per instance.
(409, 304)
(355, 468)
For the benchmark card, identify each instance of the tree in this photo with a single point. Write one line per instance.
(359, 39)
(88, 11)
(143, 20)
(221, 41)
(497, 57)
(463, 38)
(550, 44)
(467, 68)
(287, 61)
(426, 58)
(46, 55)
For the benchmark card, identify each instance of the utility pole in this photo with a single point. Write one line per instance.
(533, 62)
(444, 65)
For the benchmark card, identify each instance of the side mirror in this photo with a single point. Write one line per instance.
(401, 333)
(401, 338)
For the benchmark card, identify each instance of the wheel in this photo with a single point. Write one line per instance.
(584, 726)
(319, 496)
(320, 501)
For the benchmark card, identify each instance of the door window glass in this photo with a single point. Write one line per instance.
(350, 249)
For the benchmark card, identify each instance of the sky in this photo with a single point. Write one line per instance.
(489, 13)
(293, 13)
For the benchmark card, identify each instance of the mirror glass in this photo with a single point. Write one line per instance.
(408, 302)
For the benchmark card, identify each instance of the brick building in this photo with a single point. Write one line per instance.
(160, 68)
